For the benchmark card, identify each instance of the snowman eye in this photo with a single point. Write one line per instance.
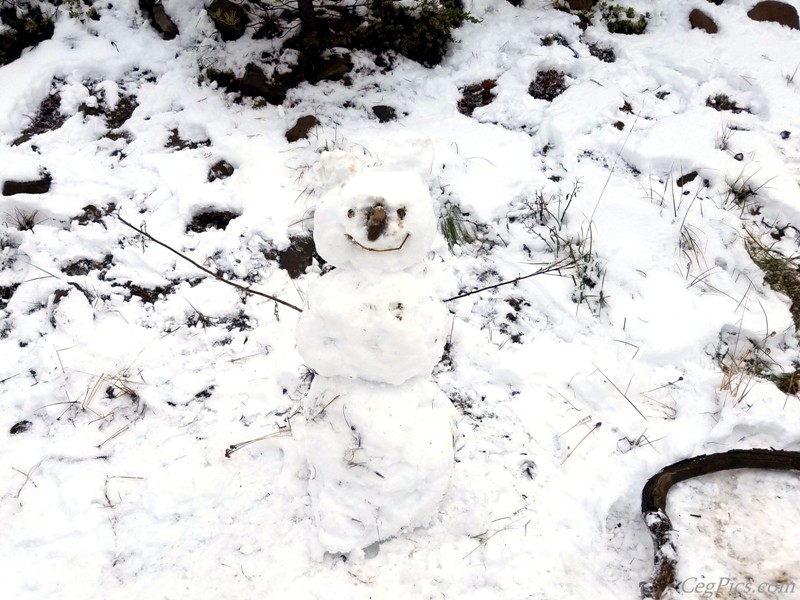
(351, 213)
(401, 212)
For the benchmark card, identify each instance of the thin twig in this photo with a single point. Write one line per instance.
(234, 447)
(218, 275)
(549, 269)
(620, 391)
(591, 431)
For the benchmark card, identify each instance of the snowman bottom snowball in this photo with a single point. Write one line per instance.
(380, 457)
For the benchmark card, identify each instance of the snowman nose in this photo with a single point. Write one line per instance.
(376, 222)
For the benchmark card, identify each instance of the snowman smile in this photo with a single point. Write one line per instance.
(360, 245)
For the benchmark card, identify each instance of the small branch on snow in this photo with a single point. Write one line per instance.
(218, 276)
(548, 269)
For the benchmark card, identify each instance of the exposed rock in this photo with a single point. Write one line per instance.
(700, 20)
(579, 4)
(159, 19)
(230, 19)
(37, 186)
(255, 83)
(717, 2)
(221, 169)
(619, 125)
(384, 113)
(785, 134)
(684, 179)
(301, 128)
(547, 85)
(334, 69)
(775, 12)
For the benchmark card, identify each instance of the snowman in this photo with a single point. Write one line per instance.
(377, 432)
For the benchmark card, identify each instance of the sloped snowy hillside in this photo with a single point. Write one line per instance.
(660, 171)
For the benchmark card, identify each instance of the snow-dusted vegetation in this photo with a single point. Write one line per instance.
(621, 189)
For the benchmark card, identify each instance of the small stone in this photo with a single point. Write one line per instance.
(579, 4)
(159, 18)
(785, 135)
(717, 2)
(384, 113)
(775, 12)
(700, 20)
(230, 19)
(38, 186)
(738, 156)
(221, 169)
(20, 427)
(619, 125)
(684, 179)
(301, 128)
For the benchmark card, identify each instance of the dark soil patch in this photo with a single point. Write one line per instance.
(721, 102)
(548, 85)
(221, 169)
(476, 95)
(211, 219)
(176, 141)
(85, 266)
(555, 38)
(238, 321)
(123, 111)
(384, 113)
(206, 393)
(255, 84)
(684, 179)
(298, 256)
(93, 214)
(6, 292)
(48, 118)
(788, 383)
(603, 54)
(20, 427)
(150, 295)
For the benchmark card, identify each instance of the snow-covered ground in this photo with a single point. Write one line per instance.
(572, 388)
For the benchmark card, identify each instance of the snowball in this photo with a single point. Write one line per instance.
(380, 456)
(383, 327)
(377, 220)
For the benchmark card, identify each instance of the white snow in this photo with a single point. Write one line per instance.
(571, 389)
(378, 327)
(380, 456)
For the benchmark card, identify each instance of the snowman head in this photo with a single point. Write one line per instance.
(376, 220)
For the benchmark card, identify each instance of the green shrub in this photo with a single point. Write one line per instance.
(422, 33)
(623, 20)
